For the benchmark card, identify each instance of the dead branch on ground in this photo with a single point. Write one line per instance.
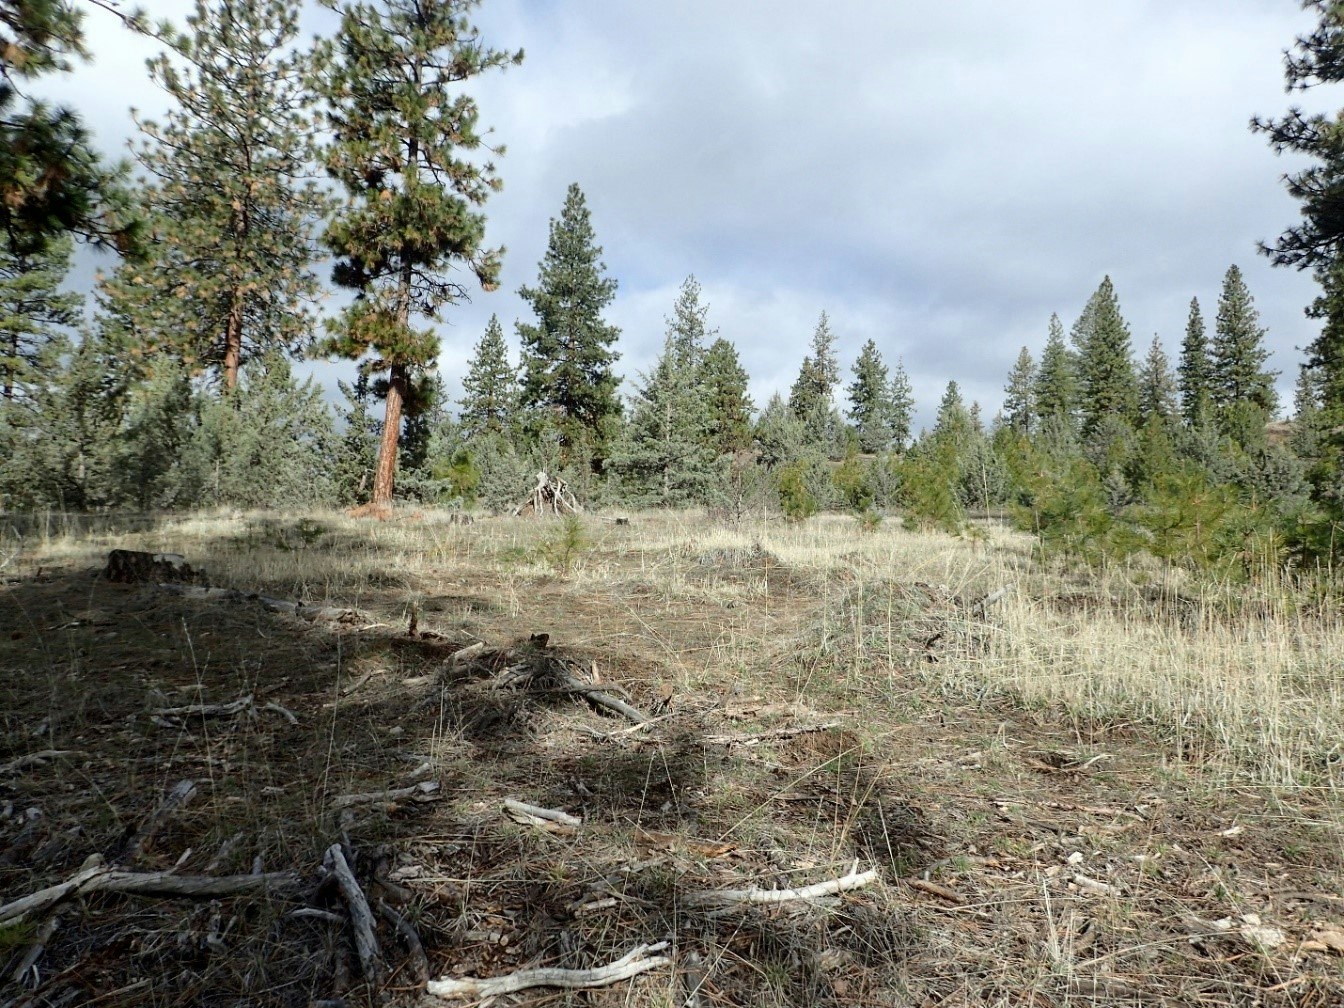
(636, 961)
(730, 897)
(361, 917)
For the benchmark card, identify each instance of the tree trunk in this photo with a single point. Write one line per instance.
(233, 340)
(385, 474)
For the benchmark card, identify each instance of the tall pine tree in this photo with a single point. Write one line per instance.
(568, 382)
(730, 408)
(490, 387)
(1019, 395)
(819, 374)
(405, 148)
(1105, 362)
(1056, 386)
(1157, 386)
(232, 201)
(870, 406)
(668, 456)
(1195, 376)
(1237, 356)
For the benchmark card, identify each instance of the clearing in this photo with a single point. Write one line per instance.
(1090, 789)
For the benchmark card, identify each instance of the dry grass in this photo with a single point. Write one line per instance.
(1175, 745)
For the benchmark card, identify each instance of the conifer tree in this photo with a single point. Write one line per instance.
(668, 457)
(232, 201)
(1237, 354)
(1105, 362)
(870, 406)
(901, 399)
(404, 148)
(34, 316)
(819, 374)
(52, 182)
(1157, 386)
(490, 387)
(568, 382)
(730, 408)
(1019, 400)
(1195, 377)
(779, 433)
(1057, 380)
(1317, 243)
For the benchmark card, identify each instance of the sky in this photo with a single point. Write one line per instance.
(938, 177)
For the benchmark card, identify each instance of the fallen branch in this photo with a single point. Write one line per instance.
(181, 793)
(416, 792)
(35, 759)
(934, 889)
(419, 961)
(536, 812)
(996, 595)
(29, 961)
(728, 897)
(96, 877)
(768, 736)
(634, 962)
(569, 683)
(209, 710)
(361, 917)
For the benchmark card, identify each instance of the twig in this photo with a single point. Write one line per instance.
(990, 599)
(727, 897)
(934, 889)
(766, 736)
(419, 961)
(208, 710)
(638, 960)
(274, 707)
(361, 917)
(35, 759)
(181, 793)
(418, 792)
(29, 962)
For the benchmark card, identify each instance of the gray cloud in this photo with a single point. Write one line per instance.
(938, 177)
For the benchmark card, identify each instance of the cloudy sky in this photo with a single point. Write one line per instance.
(939, 177)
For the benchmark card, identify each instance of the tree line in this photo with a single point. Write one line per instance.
(175, 387)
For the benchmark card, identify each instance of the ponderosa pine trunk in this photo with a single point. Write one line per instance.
(233, 341)
(384, 476)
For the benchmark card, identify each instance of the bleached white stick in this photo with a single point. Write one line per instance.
(636, 961)
(720, 897)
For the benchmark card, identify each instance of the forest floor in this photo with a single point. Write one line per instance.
(823, 701)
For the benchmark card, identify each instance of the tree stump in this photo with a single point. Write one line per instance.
(134, 566)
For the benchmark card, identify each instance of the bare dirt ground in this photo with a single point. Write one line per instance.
(1025, 854)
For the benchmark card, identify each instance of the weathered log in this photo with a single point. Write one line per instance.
(419, 961)
(536, 812)
(94, 876)
(424, 791)
(361, 917)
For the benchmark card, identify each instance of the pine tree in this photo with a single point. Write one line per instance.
(568, 381)
(1157, 386)
(1019, 399)
(34, 316)
(490, 387)
(730, 409)
(404, 148)
(1105, 364)
(779, 434)
(1056, 390)
(356, 455)
(668, 457)
(52, 182)
(286, 431)
(820, 373)
(870, 405)
(232, 204)
(1195, 376)
(1318, 242)
(161, 416)
(901, 399)
(1237, 354)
